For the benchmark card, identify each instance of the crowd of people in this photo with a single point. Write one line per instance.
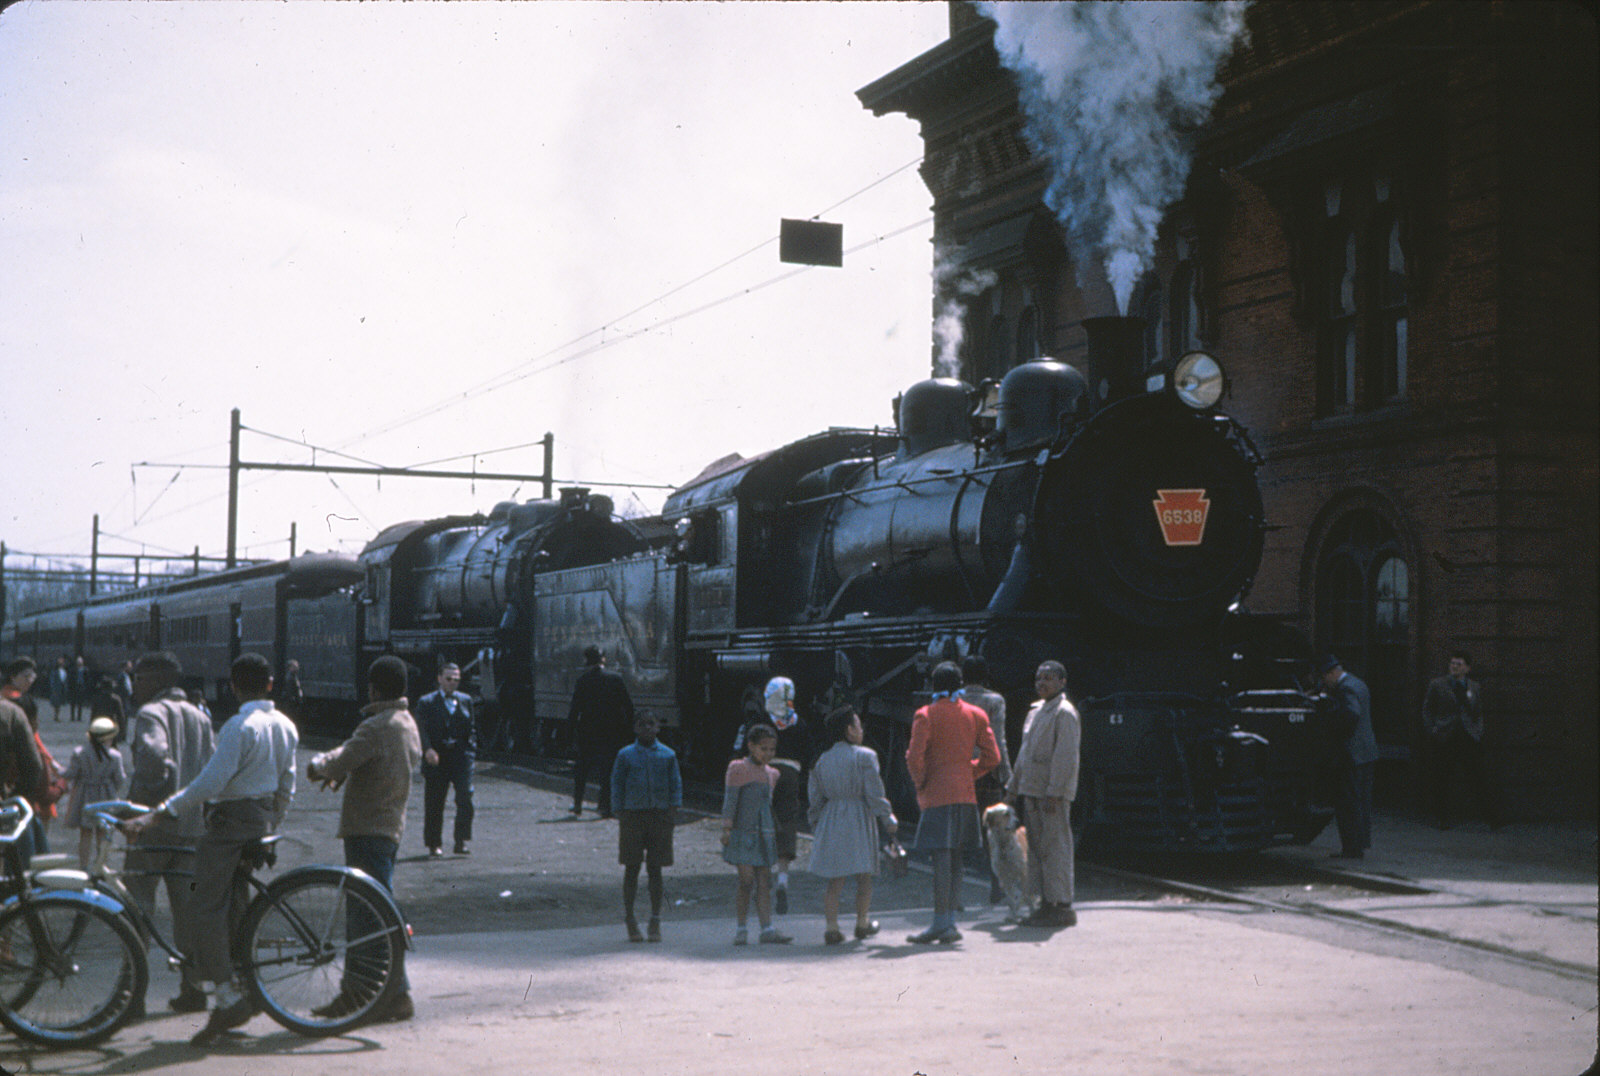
(214, 791)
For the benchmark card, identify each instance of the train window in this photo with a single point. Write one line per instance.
(700, 538)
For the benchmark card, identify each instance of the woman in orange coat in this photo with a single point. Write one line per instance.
(951, 746)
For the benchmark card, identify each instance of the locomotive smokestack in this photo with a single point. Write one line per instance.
(1115, 357)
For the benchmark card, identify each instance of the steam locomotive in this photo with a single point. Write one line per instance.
(1102, 517)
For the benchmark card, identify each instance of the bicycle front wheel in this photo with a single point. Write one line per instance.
(322, 950)
(70, 971)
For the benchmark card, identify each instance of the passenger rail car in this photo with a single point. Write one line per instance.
(303, 608)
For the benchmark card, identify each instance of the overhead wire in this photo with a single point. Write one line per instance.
(521, 371)
(515, 374)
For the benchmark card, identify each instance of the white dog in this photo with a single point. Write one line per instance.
(1008, 856)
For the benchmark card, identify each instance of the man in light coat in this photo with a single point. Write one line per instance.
(243, 794)
(172, 742)
(375, 766)
(1045, 778)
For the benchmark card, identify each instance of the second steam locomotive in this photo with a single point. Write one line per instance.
(1083, 515)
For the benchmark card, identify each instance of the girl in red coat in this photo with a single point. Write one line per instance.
(951, 746)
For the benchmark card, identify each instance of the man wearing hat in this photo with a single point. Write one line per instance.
(1355, 751)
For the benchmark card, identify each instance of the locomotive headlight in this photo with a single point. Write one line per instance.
(1198, 380)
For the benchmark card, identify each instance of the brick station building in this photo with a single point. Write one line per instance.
(1389, 240)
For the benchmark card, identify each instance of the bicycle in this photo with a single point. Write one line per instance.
(318, 948)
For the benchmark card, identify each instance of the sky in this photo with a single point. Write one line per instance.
(425, 232)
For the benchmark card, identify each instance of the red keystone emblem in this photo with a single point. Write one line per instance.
(1182, 515)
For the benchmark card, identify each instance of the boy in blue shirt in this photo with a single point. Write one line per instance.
(646, 792)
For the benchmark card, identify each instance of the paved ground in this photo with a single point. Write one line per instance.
(521, 966)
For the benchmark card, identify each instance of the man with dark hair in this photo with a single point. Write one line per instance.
(1355, 753)
(1045, 779)
(21, 768)
(17, 677)
(80, 689)
(243, 791)
(1452, 719)
(445, 724)
(601, 717)
(375, 766)
(172, 742)
(60, 686)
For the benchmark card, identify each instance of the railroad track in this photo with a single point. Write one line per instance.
(1376, 923)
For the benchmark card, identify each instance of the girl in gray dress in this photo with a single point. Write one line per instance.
(847, 800)
(749, 836)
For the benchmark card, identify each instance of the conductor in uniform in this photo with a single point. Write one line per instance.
(445, 725)
(602, 722)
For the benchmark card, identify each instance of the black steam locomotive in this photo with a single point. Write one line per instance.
(1089, 516)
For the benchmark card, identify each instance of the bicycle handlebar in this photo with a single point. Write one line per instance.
(15, 808)
(111, 812)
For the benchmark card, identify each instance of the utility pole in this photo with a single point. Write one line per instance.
(94, 557)
(549, 466)
(235, 465)
(291, 539)
(233, 490)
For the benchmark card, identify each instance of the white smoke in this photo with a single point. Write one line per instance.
(954, 285)
(1111, 94)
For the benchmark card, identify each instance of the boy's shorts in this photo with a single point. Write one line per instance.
(645, 835)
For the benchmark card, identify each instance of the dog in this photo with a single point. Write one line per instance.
(1008, 856)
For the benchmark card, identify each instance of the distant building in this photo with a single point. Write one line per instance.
(1389, 239)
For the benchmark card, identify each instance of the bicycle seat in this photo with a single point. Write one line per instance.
(61, 878)
(260, 853)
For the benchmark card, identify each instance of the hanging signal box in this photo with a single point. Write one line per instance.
(811, 242)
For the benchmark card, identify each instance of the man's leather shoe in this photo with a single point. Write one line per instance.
(337, 1009)
(225, 1019)
(461, 849)
(188, 1000)
(1042, 916)
(400, 1008)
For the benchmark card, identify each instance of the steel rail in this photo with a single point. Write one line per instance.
(1312, 909)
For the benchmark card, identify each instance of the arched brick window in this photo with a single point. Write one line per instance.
(1364, 613)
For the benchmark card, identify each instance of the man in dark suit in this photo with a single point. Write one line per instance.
(1452, 719)
(445, 725)
(602, 724)
(1355, 752)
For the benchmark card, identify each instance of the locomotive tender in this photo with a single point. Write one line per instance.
(1085, 515)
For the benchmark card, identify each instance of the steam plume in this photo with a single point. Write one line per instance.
(1111, 93)
(954, 284)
